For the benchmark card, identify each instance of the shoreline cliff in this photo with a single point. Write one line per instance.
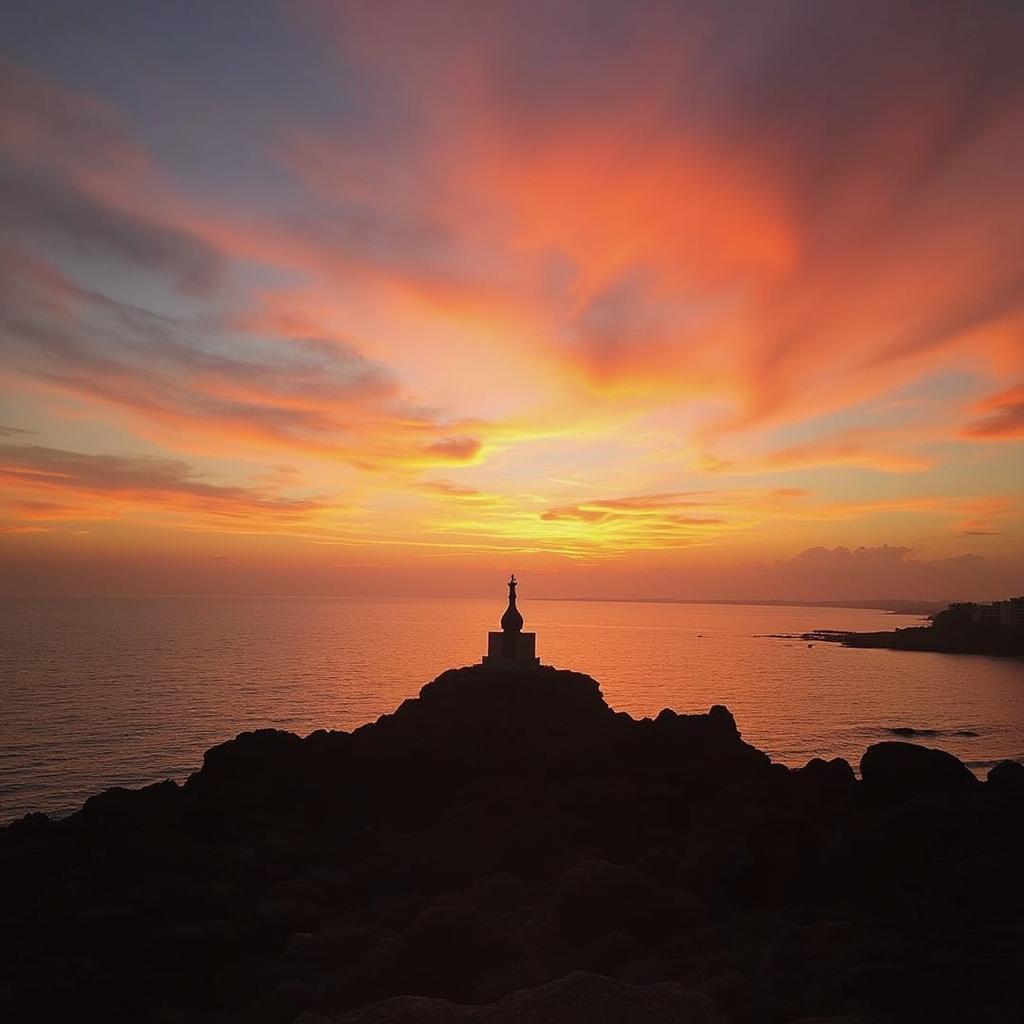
(507, 848)
(994, 630)
(990, 641)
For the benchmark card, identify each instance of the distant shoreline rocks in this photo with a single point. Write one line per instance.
(991, 641)
(910, 732)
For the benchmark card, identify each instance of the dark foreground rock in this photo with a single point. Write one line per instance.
(508, 849)
(903, 769)
(1007, 773)
(579, 996)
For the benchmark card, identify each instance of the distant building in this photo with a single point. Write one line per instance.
(511, 648)
(1009, 613)
(987, 614)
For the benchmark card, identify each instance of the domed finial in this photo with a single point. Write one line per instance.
(512, 621)
(511, 648)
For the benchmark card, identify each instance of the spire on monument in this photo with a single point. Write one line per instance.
(511, 648)
(512, 620)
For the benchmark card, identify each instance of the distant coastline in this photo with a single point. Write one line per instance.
(925, 638)
(891, 605)
(992, 630)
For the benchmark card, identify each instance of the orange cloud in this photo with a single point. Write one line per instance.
(449, 488)
(855, 447)
(1004, 419)
(663, 254)
(97, 487)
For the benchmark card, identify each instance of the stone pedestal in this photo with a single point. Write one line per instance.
(511, 649)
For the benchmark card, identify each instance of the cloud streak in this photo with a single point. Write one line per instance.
(94, 487)
(1003, 419)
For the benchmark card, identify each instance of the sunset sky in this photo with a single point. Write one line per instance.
(692, 299)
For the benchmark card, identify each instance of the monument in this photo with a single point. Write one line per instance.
(511, 648)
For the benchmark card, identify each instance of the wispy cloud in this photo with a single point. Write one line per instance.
(1002, 416)
(44, 485)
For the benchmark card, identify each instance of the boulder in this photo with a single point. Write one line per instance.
(1007, 775)
(822, 776)
(258, 753)
(906, 769)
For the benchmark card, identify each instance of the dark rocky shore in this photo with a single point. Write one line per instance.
(960, 629)
(988, 640)
(506, 848)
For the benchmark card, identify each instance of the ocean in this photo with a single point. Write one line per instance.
(103, 692)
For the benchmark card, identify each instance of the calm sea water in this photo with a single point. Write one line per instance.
(108, 692)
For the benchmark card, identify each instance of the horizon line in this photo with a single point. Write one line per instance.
(861, 603)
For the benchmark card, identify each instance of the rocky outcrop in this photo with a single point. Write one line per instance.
(505, 847)
(900, 769)
(576, 998)
(1007, 774)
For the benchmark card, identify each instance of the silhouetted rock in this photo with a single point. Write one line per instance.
(827, 776)
(117, 805)
(1007, 774)
(905, 768)
(578, 998)
(505, 847)
(500, 719)
(252, 756)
